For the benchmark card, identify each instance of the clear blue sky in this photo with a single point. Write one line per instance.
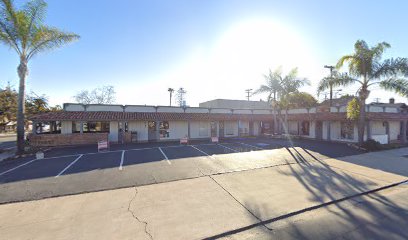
(213, 48)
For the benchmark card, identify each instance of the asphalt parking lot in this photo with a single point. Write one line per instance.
(79, 169)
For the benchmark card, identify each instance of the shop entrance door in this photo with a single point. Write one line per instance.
(213, 129)
(221, 129)
(152, 131)
(319, 130)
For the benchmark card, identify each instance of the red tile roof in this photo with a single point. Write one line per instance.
(147, 116)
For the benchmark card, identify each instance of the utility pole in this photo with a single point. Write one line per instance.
(248, 92)
(171, 90)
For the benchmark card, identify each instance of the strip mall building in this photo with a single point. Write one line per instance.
(84, 124)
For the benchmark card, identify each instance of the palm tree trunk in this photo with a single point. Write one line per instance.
(22, 73)
(361, 122)
(362, 116)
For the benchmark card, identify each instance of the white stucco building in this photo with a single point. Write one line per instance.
(133, 123)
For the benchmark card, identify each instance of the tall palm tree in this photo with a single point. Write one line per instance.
(280, 87)
(366, 69)
(23, 30)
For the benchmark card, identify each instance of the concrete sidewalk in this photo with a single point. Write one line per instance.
(238, 205)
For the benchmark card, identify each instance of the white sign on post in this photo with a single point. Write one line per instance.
(103, 145)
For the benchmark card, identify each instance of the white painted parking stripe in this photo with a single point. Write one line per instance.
(164, 155)
(201, 151)
(121, 160)
(21, 165)
(248, 145)
(228, 148)
(72, 163)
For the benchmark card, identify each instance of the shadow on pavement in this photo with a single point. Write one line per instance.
(330, 189)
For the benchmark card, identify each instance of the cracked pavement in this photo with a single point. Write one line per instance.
(236, 205)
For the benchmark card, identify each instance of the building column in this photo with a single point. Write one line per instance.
(239, 132)
(368, 129)
(328, 131)
(157, 130)
(404, 132)
(81, 127)
(189, 129)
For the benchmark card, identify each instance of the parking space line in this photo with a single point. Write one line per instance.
(164, 155)
(21, 165)
(121, 160)
(249, 145)
(228, 148)
(201, 151)
(72, 163)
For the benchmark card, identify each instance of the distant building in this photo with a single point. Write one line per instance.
(235, 104)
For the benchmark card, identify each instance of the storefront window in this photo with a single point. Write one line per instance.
(90, 127)
(203, 129)
(305, 127)
(229, 128)
(164, 129)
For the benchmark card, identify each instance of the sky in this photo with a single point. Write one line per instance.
(213, 49)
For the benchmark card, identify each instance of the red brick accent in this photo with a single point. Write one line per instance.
(47, 140)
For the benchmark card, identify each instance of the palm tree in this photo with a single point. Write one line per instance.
(23, 30)
(280, 87)
(171, 90)
(366, 69)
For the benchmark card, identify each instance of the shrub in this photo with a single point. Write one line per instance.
(372, 145)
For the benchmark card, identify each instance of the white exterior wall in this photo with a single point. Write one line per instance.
(377, 128)
(66, 127)
(234, 126)
(113, 131)
(395, 130)
(130, 108)
(221, 110)
(244, 126)
(391, 110)
(74, 107)
(242, 111)
(293, 127)
(300, 110)
(195, 129)
(197, 110)
(376, 109)
(312, 130)
(104, 108)
(260, 111)
(177, 130)
(141, 128)
(170, 109)
(256, 128)
(324, 130)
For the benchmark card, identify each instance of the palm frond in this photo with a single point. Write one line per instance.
(343, 60)
(8, 23)
(391, 67)
(336, 81)
(262, 89)
(379, 49)
(46, 38)
(398, 85)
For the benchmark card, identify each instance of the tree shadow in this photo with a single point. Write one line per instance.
(342, 196)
